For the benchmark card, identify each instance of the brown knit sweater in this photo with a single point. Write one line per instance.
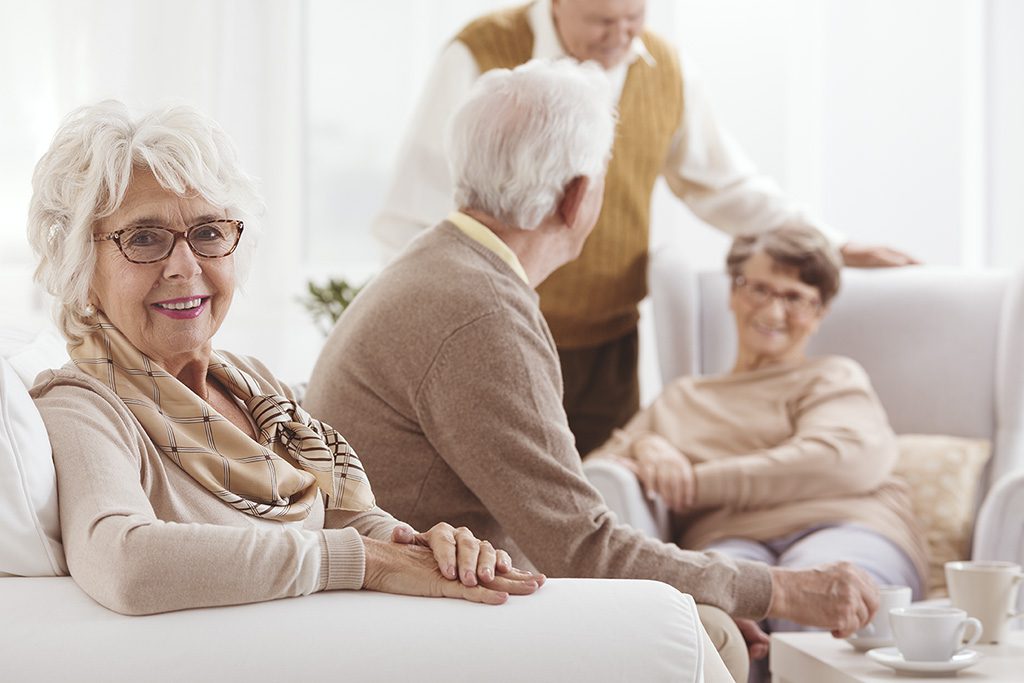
(141, 536)
(444, 377)
(781, 449)
(593, 299)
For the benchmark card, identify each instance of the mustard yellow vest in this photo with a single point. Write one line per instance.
(594, 299)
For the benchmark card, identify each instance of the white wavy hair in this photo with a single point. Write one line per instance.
(520, 136)
(85, 173)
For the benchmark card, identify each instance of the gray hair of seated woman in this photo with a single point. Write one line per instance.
(85, 173)
(521, 136)
(806, 250)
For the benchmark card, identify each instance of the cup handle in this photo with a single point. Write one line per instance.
(976, 630)
(1012, 614)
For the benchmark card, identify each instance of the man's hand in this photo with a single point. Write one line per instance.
(838, 596)
(664, 470)
(874, 256)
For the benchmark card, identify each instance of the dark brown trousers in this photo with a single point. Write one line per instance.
(602, 390)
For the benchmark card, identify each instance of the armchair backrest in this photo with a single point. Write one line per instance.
(943, 346)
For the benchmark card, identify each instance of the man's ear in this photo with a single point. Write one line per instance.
(572, 199)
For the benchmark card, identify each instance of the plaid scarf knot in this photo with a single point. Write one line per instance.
(245, 474)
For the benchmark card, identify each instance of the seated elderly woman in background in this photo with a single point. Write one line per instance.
(189, 477)
(787, 459)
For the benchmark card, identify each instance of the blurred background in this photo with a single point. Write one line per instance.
(897, 121)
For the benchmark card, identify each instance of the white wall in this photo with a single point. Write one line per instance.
(895, 120)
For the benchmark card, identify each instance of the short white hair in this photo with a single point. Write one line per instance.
(85, 173)
(521, 136)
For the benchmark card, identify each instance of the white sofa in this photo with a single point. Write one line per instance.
(944, 349)
(595, 630)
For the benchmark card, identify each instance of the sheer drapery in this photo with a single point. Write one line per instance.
(895, 119)
(240, 61)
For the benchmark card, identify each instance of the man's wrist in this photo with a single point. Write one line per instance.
(777, 601)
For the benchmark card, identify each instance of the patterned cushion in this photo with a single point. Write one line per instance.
(943, 474)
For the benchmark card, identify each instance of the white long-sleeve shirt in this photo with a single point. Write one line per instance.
(705, 167)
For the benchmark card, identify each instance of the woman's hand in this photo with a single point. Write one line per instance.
(461, 556)
(757, 640)
(412, 569)
(664, 470)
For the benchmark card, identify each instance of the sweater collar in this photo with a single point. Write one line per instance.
(483, 235)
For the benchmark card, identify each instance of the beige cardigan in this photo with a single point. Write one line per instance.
(780, 449)
(141, 536)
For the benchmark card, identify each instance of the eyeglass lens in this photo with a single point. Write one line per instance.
(792, 301)
(146, 244)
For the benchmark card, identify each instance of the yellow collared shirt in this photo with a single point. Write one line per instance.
(479, 232)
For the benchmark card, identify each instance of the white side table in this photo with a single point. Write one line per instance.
(820, 658)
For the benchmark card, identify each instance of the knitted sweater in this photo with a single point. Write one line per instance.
(781, 449)
(142, 536)
(445, 379)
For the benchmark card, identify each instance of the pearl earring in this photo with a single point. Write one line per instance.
(89, 310)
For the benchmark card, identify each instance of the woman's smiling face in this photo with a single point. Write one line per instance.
(170, 309)
(773, 331)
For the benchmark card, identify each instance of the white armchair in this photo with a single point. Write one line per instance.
(573, 629)
(944, 349)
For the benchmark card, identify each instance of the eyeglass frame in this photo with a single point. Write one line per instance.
(815, 305)
(115, 237)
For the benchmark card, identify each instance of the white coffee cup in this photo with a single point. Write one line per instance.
(889, 597)
(932, 634)
(986, 591)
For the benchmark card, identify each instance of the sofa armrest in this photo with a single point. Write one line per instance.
(625, 497)
(572, 629)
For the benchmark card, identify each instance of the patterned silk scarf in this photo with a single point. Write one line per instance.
(245, 474)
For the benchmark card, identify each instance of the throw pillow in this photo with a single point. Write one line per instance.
(943, 474)
(29, 523)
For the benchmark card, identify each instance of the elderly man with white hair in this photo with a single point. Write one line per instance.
(445, 375)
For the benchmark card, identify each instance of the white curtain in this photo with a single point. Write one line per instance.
(240, 61)
(897, 120)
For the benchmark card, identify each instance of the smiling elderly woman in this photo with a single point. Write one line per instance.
(189, 477)
(787, 459)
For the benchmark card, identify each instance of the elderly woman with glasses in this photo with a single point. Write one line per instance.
(190, 477)
(787, 459)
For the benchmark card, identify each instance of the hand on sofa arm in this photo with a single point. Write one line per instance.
(663, 470)
(837, 596)
(411, 566)
(461, 555)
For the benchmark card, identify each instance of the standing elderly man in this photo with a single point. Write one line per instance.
(665, 128)
(445, 376)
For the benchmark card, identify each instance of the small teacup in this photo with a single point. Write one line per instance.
(932, 634)
(889, 597)
(988, 591)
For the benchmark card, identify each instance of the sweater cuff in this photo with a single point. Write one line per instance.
(342, 559)
(755, 599)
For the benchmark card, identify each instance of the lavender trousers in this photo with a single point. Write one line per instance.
(882, 559)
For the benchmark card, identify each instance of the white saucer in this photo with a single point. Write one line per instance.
(892, 658)
(865, 643)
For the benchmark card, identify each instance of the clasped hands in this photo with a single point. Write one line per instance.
(444, 562)
(663, 470)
